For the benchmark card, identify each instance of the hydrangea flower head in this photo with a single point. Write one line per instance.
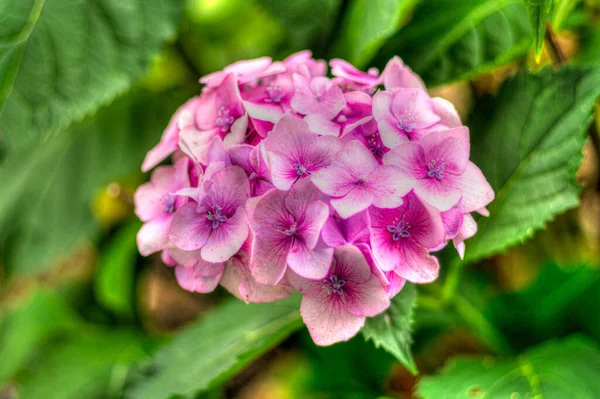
(285, 179)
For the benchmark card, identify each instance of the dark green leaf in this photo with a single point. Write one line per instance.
(538, 10)
(528, 144)
(50, 188)
(448, 40)
(62, 60)
(113, 284)
(367, 25)
(218, 346)
(555, 370)
(392, 328)
(308, 23)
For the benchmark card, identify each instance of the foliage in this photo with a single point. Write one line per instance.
(87, 87)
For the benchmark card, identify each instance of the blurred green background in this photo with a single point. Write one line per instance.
(86, 88)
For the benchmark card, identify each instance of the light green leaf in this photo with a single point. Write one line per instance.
(50, 188)
(528, 144)
(113, 284)
(392, 329)
(42, 317)
(62, 60)
(554, 370)
(367, 25)
(217, 347)
(538, 10)
(449, 40)
(91, 364)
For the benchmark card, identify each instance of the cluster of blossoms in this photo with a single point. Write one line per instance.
(339, 188)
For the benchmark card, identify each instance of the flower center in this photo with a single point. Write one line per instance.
(215, 216)
(168, 203)
(274, 92)
(436, 169)
(252, 176)
(399, 230)
(334, 284)
(376, 145)
(292, 230)
(407, 122)
(300, 169)
(224, 120)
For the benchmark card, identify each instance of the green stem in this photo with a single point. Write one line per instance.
(451, 284)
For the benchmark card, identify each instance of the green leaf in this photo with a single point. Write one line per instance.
(62, 60)
(555, 370)
(218, 346)
(528, 144)
(367, 25)
(91, 364)
(392, 328)
(44, 316)
(562, 11)
(113, 284)
(538, 10)
(307, 23)
(50, 188)
(449, 40)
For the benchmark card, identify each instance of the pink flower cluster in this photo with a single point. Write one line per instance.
(339, 188)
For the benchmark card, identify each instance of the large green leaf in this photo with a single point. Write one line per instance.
(528, 144)
(555, 370)
(449, 40)
(538, 10)
(392, 328)
(50, 188)
(91, 364)
(41, 318)
(61, 60)
(307, 23)
(366, 26)
(217, 347)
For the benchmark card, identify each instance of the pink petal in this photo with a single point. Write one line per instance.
(396, 283)
(355, 201)
(217, 152)
(269, 256)
(310, 263)
(190, 279)
(389, 184)
(303, 285)
(396, 74)
(442, 194)
(408, 157)
(332, 233)
(195, 143)
(416, 265)
(226, 239)
(322, 125)
(334, 180)
(154, 235)
(368, 298)
(452, 146)
(328, 320)
(189, 229)
(264, 111)
(476, 191)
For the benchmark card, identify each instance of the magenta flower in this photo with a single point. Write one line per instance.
(353, 230)
(184, 119)
(444, 175)
(335, 307)
(219, 113)
(398, 75)
(156, 203)
(350, 78)
(401, 239)
(303, 63)
(249, 158)
(467, 230)
(356, 112)
(287, 226)
(217, 224)
(193, 273)
(294, 152)
(246, 72)
(403, 114)
(238, 280)
(356, 181)
(368, 135)
(318, 95)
